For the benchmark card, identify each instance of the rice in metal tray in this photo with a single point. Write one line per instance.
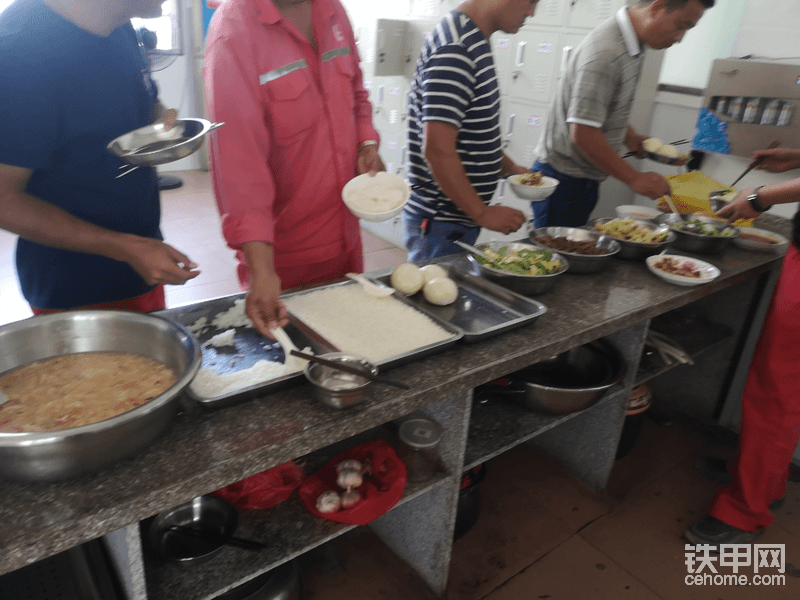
(357, 323)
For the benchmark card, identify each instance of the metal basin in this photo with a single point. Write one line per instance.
(527, 285)
(639, 250)
(699, 242)
(339, 389)
(57, 455)
(572, 381)
(580, 263)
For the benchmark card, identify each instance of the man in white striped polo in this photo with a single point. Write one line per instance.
(588, 122)
(455, 155)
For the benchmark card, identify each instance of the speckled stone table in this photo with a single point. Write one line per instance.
(205, 450)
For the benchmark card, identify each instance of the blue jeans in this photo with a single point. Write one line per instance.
(570, 205)
(434, 243)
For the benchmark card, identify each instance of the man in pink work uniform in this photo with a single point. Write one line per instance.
(284, 77)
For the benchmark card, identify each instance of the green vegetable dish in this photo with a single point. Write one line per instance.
(521, 262)
(704, 228)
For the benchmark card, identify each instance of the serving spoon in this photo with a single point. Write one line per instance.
(290, 361)
(369, 287)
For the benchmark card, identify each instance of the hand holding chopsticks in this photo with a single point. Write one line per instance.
(675, 143)
(753, 164)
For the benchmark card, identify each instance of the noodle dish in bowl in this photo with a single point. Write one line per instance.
(638, 238)
(681, 270)
(532, 185)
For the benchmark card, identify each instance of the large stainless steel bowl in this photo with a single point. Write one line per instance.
(155, 145)
(572, 381)
(639, 250)
(580, 263)
(527, 285)
(702, 243)
(57, 455)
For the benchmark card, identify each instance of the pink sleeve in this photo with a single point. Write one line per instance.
(238, 152)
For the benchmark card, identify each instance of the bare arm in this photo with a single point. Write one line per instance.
(511, 168)
(263, 304)
(439, 148)
(41, 222)
(778, 160)
(591, 142)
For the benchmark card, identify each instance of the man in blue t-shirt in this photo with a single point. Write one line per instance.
(72, 78)
(454, 140)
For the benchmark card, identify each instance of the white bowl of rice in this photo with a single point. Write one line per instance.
(376, 197)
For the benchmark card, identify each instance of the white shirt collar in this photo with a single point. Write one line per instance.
(628, 33)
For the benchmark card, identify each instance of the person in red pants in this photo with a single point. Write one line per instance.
(770, 427)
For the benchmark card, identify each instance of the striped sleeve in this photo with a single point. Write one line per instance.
(448, 85)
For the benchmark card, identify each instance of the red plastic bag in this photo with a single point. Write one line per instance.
(265, 489)
(380, 491)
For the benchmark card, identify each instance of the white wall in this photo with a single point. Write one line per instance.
(689, 63)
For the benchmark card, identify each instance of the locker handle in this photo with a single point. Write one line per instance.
(510, 125)
(521, 53)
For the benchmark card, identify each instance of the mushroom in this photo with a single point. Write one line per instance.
(349, 479)
(328, 502)
(350, 464)
(350, 497)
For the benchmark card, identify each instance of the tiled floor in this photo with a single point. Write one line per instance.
(542, 533)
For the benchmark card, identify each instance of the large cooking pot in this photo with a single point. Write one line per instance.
(57, 455)
(572, 381)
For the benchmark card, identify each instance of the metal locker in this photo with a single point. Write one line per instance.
(590, 13)
(548, 12)
(522, 128)
(502, 51)
(537, 60)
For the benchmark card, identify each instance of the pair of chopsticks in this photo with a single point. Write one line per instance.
(346, 369)
(675, 143)
(754, 163)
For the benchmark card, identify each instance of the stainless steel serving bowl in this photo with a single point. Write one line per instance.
(572, 381)
(154, 145)
(699, 242)
(580, 263)
(57, 455)
(527, 285)
(339, 389)
(639, 250)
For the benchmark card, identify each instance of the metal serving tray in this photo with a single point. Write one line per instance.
(250, 347)
(401, 359)
(482, 309)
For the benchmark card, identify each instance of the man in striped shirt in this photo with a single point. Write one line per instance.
(454, 146)
(588, 123)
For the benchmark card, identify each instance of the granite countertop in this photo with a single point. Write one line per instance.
(205, 450)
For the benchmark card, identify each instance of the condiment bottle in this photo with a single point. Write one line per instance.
(419, 438)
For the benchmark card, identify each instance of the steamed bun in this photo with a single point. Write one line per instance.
(652, 145)
(407, 278)
(668, 150)
(430, 272)
(441, 291)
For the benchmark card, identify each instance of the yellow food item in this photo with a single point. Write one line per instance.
(652, 144)
(78, 389)
(630, 230)
(690, 194)
(668, 150)
(530, 178)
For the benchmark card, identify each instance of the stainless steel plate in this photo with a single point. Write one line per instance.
(482, 309)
